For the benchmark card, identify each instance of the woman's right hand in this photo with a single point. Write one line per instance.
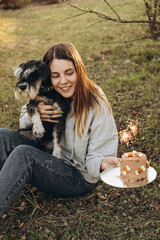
(110, 162)
(49, 113)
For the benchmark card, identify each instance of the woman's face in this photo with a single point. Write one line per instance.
(63, 77)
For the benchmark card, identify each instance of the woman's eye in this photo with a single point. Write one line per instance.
(70, 73)
(55, 76)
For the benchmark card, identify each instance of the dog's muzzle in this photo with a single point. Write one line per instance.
(24, 90)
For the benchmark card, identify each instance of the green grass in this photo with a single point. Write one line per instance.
(129, 75)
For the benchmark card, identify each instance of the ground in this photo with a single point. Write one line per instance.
(128, 72)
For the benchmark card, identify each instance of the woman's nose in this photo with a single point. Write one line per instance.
(63, 79)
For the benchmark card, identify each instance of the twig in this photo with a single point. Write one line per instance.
(91, 11)
(96, 23)
(148, 10)
(129, 41)
(113, 10)
(77, 15)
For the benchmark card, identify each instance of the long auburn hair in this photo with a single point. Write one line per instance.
(86, 91)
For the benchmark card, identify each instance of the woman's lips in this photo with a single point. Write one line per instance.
(65, 89)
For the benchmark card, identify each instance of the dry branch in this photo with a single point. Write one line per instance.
(106, 17)
(151, 12)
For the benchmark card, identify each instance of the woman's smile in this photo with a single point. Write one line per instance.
(66, 88)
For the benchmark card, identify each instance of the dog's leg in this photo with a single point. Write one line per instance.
(57, 148)
(38, 129)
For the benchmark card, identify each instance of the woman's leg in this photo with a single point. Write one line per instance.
(9, 140)
(27, 164)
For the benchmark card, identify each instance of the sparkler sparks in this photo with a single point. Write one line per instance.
(125, 137)
(133, 129)
(128, 134)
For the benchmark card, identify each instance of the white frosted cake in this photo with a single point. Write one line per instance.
(134, 166)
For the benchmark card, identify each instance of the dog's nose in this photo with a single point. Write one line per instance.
(23, 87)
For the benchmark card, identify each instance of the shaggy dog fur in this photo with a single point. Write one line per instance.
(34, 84)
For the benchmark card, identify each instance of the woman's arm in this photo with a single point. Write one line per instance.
(103, 144)
(48, 113)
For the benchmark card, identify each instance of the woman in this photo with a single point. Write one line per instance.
(89, 145)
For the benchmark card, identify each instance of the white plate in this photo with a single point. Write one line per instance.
(111, 176)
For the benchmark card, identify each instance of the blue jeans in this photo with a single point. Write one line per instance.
(22, 162)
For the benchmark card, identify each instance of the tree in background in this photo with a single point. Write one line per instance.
(152, 8)
(153, 13)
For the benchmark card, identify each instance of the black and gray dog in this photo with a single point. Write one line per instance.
(34, 85)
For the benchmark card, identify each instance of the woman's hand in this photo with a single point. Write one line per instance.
(110, 162)
(49, 113)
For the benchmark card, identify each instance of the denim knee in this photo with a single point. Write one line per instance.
(21, 151)
(6, 132)
(9, 137)
(8, 141)
(24, 153)
(20, 159)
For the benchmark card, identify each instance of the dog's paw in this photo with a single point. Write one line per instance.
(56, 154)
(38, 132)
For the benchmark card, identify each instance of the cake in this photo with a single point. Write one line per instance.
(134, 166)
(133, 184)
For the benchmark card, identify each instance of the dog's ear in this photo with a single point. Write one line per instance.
(20, 66)
(18, 72)
(44, 71)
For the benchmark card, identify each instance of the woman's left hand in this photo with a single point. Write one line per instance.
(110, 162)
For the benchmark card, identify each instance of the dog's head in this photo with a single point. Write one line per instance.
(31, 76)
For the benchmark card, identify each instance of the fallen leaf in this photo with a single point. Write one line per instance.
(23, 238)
(90, 59)
(4, 216)
(20, 225)
(23, 206)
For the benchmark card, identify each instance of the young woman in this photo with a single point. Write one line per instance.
(89, 145)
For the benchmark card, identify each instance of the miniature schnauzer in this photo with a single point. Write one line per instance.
(34, 84)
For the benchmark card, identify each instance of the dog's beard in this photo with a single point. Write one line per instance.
(29, 93)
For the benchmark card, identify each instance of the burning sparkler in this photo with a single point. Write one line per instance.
(133, 129)
(128, 134)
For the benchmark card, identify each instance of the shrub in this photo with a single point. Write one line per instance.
(53, 1)
(14, 4)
